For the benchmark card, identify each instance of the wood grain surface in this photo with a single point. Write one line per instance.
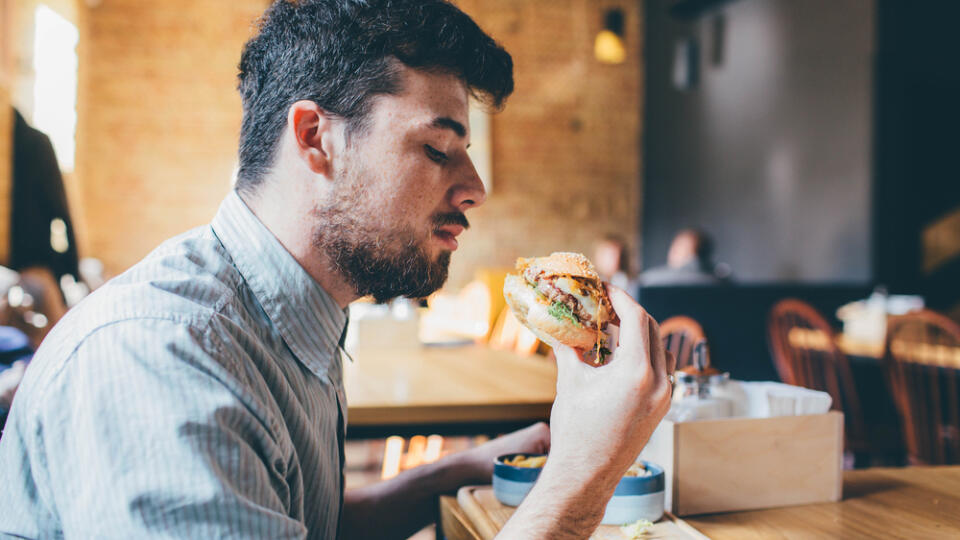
(909, 503)
(422, 385)
(739, 463)
(487, 516)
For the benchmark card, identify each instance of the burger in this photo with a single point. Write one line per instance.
(561, 299)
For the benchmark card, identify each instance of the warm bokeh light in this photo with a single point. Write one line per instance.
(434, 449)
(55, 85)
(609, 48)
(392, 454)
(414, 456)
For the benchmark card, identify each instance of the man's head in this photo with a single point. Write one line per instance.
(366, 101)
(690, 245)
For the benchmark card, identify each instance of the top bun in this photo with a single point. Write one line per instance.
(561, 263)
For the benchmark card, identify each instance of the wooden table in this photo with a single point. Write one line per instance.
(440, 388)
(910, 503)
(855, 347)
(807, 338)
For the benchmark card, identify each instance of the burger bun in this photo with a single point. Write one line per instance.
(531, 310)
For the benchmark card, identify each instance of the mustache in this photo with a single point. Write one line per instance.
(451, 218)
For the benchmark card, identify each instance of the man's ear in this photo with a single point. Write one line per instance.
(316, 136)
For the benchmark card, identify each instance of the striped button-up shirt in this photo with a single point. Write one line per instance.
(198, 395)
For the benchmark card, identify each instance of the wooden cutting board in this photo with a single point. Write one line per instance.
(488, 516)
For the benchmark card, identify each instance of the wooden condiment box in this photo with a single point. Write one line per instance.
(731, 464)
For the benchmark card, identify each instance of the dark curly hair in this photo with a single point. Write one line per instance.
(340, 53)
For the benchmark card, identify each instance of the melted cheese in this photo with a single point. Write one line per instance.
(589, 303)
(570, 286)
(599, 339)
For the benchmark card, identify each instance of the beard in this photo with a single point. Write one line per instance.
(385, 263)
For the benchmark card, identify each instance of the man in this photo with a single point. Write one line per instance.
(689, 262)
(200, 394)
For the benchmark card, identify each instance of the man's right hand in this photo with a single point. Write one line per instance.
(601, 419)
(603, 416)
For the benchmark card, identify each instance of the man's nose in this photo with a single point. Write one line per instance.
(468, 191)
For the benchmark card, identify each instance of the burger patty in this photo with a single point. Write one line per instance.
(548, 289)
(556, 295)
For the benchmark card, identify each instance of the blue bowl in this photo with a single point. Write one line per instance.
(511, 484)
(636, 497)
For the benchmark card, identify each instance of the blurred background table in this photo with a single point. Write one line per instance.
(447, 390)
(859, 348)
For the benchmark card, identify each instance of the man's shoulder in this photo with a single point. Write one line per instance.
(184, 278)
(193, 267)
(136, 330)
(186, 281)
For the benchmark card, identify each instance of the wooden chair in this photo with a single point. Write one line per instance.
(680, 335)
(922, 357)
(805, 354)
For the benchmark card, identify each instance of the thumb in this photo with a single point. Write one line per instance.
(569, 361)
(634, 330)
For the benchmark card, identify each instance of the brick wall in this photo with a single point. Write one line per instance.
(566, 150)
(159, 118)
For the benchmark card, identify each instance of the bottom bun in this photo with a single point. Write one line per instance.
(532, 311)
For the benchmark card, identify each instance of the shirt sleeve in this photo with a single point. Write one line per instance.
(152, 435)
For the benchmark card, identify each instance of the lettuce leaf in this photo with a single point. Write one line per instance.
(561, 311)
(637, 529)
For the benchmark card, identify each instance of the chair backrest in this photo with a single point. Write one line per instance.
(922, 355)
(734, 317)
(680, 335)
(805, 353)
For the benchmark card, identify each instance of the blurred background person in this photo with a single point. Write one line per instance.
(689, 262)
(41, 233)
(43, 254)
(16, 348)
(612, 259)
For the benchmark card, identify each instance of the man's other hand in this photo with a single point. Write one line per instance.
(534, 439)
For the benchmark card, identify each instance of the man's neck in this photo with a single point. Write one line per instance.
(288, 218)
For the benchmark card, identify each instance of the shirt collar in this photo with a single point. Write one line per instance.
(309, 320)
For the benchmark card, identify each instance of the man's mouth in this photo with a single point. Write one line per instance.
(447, 235)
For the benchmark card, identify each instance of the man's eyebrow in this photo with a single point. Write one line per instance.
(444, 122)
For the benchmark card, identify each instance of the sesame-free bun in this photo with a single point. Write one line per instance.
(531, 310)
(561, 263)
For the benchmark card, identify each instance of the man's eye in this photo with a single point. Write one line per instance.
(435, 155)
